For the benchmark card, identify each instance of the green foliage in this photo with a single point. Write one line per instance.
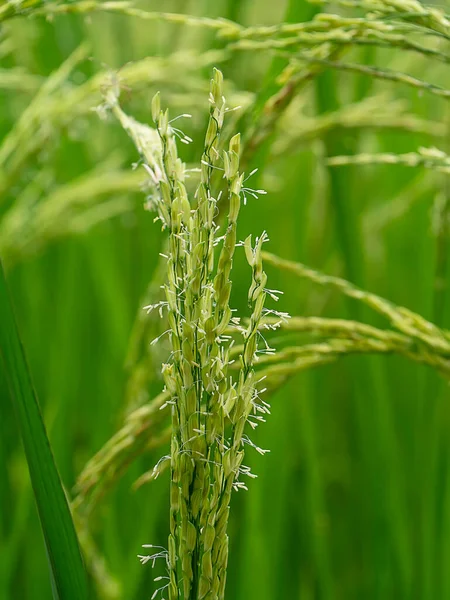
(353, 500)
(66, 566)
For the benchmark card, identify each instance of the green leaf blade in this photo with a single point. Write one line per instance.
(67, 569)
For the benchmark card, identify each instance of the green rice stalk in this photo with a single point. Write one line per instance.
(404, 320)
(411, 11)
(39, 8)
(429, 158)
(205, 460)
(342, 37)
(377, 73)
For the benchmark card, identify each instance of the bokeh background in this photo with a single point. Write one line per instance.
(353, 500)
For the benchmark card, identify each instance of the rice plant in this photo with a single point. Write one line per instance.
(342, 108)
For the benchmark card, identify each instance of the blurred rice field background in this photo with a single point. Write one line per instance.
(353, 500)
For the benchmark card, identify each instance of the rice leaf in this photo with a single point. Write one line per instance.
(66, 565)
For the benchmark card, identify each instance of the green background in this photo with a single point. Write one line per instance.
(353, 501)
